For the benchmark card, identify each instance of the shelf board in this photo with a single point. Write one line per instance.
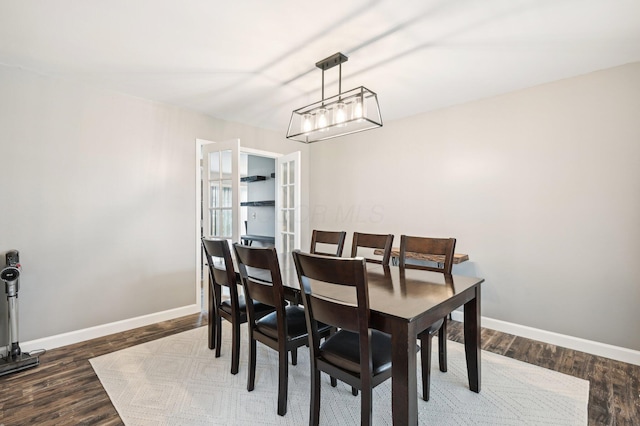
(258, 203)
(252, 178)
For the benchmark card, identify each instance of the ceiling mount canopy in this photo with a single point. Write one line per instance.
(347, 112)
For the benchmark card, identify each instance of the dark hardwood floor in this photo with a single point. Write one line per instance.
(64, 390)
(614, 386)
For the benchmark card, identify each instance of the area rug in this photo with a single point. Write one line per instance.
(177, 380)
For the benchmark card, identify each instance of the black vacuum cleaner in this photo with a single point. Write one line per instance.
(15, 360)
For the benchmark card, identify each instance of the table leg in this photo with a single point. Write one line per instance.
(404, 385)
(472, 340)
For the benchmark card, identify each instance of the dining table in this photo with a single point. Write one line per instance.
(403, 302)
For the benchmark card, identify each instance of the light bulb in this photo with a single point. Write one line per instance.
(321, 119)
(306, 123)
(358, 110)
(340, 114)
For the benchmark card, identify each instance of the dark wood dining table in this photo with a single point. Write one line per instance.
(403, 303)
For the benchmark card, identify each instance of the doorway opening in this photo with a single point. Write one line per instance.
(235, 198)
(257, 199)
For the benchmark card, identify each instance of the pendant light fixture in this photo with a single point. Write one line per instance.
(347, 112)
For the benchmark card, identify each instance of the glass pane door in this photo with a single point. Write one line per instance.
(221, 183)
(288, 203)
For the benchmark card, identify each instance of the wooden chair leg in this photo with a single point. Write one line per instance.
(314, 413)
(211, 321)
(235, 347)
(332, 331)
(294, 356)
(334, 383)
(425, 342)
(251, 376)
(218, 334)
(283, 381)
(442, 346)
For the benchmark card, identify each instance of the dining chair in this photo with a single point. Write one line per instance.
(373, 241)
(438, 246)
(356, 354)
(233, 309)
(283, 330)
(328, 237)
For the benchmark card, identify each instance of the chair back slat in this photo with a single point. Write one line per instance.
(321, 279)
(260, 276)
(338, 315)
(261, 291)
(328, 237)
(426, 245)
(373, 241)
(259, 259)
(220, 276)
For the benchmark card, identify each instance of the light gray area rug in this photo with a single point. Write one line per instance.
(178, 381)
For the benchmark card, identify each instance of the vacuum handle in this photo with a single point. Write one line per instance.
(13, 258)
(11, 273)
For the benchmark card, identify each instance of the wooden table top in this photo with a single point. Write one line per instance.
(403, 294)
(406, 293)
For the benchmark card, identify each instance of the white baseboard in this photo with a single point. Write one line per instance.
(595, 348)
(77, 336)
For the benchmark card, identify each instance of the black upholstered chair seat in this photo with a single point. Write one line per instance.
(260, 308)
(343, 350)
(296, 323)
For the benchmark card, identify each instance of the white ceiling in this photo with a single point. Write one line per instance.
(253, 61)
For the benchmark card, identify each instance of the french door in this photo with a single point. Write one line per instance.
(288, 203)
(221, 190)
(219, 196)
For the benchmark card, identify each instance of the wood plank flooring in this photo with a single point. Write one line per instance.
(64, 389)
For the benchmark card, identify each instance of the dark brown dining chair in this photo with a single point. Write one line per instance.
(356, 354)
(444, 247)
(328, 237)
(373, 241)
(233, 309)
(285, 329)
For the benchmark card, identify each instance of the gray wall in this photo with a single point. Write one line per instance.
(102, 200)
(541, 188)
